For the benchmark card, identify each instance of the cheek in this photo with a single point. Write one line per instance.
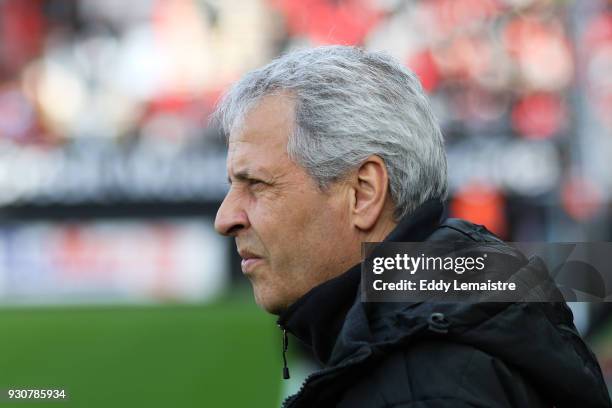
(288, 233)
(294, 227)
(281, 219)
(322, 229)
(331, 235)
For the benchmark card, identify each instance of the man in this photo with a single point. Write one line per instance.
(334, 146)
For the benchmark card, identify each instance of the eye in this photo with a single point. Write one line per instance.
(256, 183)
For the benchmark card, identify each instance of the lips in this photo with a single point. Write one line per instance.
(249, 264)
(249, 261)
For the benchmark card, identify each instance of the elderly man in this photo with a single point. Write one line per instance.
(334, 146)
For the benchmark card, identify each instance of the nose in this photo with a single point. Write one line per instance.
(231, 216)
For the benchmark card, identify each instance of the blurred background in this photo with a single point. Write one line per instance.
(113, 284)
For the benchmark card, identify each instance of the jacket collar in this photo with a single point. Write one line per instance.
(317, 317)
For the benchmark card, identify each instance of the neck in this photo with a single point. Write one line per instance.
(318, 316)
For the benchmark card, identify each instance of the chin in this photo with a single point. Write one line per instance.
(271, 304)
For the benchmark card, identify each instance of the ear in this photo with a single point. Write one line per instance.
(369, 192)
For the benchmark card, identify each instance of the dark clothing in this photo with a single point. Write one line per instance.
(469, 355)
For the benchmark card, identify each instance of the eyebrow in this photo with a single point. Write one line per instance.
(243, 175)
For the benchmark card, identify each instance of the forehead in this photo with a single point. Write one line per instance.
(260, 142)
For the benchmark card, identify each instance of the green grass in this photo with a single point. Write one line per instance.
(222, 355)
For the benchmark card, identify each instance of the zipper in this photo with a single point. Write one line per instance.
(288, 402)
(285, 347)
(293, 397)
(286, 370)
(322, 373)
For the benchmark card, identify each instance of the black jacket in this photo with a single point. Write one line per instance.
(440, 354)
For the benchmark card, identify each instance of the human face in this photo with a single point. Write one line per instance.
(291, 236)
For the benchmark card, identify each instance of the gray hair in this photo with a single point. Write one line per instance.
(351, 104)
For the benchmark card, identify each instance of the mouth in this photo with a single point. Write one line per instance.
(249, 261)
(249, 264)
